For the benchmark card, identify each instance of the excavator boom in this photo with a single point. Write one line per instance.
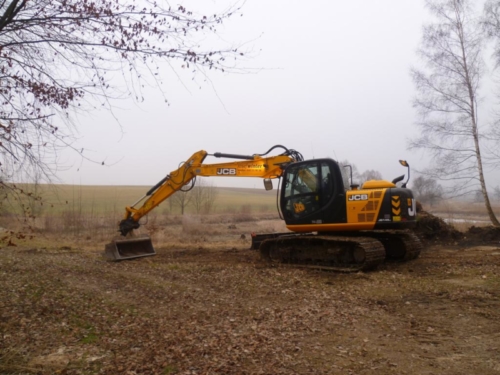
(256, 165)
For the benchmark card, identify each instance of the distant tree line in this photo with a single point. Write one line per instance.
(427, 190)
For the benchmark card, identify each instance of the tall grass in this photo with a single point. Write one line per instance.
(463, 215)
(92, 213)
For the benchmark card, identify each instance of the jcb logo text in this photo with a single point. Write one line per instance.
(226, 171)
(358, 197)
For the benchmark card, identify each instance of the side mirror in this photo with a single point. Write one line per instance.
(268, 184)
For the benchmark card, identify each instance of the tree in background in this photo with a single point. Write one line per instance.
(211, 194)
(24, 198)
(4, 194)
(203, 196)
(370, 174)
(357, 178)
(426, 190)
(60, 57)
(349, 170)
(491, 25)
(447, 97)
(496, 193)
(478, 197)
(198, 195)
(35, 194)
(182, 199)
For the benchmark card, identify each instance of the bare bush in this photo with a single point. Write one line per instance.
(192, 224)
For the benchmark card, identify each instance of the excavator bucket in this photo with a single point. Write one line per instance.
(121, 249)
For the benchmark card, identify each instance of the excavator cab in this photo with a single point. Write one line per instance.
(313, 198)
(313, 192)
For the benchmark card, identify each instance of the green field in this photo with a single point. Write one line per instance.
(93, 212)
(57, 199)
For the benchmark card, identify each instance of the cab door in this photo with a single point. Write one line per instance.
(309, 191)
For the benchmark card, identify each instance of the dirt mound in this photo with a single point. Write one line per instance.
(482, 235)
(434, 229)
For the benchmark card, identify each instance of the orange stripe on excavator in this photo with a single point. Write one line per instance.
(337, 227)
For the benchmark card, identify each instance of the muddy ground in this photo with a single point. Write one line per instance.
(205, 310)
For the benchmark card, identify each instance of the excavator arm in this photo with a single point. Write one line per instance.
(251, 166)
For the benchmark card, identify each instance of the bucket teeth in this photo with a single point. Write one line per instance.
(129, 248)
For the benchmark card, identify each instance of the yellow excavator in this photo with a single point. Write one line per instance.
(330, 226)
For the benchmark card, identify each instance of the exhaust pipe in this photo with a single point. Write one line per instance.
(129, 249)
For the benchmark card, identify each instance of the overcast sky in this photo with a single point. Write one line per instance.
(334, 83)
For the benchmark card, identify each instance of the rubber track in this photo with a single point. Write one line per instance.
(333, 253)
(399, 245)
(413, 245)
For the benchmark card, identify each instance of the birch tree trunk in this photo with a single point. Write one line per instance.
(447, 97)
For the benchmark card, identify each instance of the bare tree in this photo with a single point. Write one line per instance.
(34, 194)
(198, 195)
(357, 178)
(478, 197)
(496, 193)
(203, 196)
(182, 199)
(59, 57)
(211, 194)
(426, 190)
(4, 194)
(370, 174)
(447, 97)
(491, 25)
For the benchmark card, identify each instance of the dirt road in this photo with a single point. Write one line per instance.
(68, 311)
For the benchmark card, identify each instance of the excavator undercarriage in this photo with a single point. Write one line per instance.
(340, 252)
